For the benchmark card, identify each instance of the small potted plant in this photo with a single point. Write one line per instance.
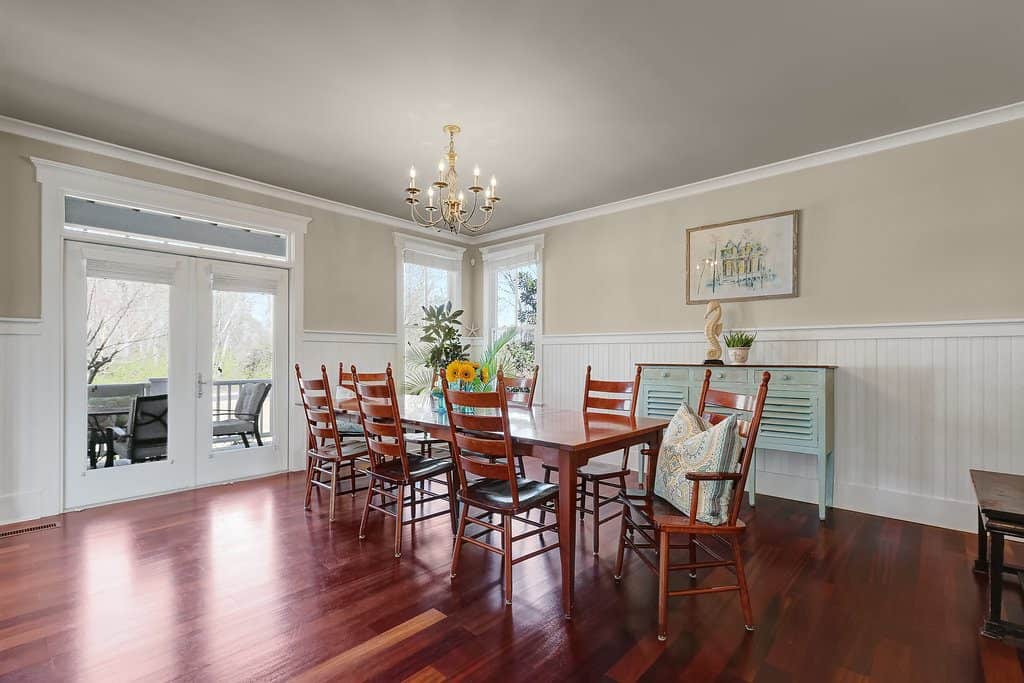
(739, 343)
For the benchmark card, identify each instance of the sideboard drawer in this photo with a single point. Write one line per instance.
(665, 374)
(787, 377)
(723, 374)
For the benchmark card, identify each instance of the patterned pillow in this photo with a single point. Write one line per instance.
(711, 449)
(685, 423)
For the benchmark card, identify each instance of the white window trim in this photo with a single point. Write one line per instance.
(58, 180)
(404, 243)
(504, 255)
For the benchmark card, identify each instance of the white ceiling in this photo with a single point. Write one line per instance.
(571, 103)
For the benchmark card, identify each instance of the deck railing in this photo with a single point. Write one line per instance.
(225, 396)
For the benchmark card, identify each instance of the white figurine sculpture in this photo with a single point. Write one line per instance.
(712, 330)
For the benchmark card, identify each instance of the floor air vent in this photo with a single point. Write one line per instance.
(28, 530)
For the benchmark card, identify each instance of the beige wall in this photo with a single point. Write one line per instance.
(929, 232)
(350, 262)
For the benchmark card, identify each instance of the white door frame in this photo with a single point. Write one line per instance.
(58, 180)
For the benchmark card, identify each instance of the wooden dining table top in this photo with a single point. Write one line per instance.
(540, 426)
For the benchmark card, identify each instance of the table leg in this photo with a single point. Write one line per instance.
(993, 626)
(567, 529)
(654, 446)
(981, 562)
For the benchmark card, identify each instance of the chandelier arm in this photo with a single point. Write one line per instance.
(420, 220)
(469, 216)
(479, 226)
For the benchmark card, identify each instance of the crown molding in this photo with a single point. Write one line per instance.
(82, 143)
(931, 131)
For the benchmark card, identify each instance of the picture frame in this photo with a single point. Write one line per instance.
(744, 260)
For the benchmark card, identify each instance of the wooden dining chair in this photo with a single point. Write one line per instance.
(324, 453)
(482, 446)
(393, 472)
(655, 521)
(603, 397)
(520, 391)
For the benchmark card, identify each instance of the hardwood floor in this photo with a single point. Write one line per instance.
(238, 583)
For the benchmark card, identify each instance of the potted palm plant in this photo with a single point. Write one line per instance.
(739, 343)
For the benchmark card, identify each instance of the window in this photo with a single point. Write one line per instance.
(430, 275)
(512, 300)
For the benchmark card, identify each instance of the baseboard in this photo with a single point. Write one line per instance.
(21, 506)
(910, 507)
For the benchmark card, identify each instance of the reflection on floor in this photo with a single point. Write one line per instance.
(237, 582)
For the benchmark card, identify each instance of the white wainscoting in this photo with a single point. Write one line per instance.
(917, 406)
(29, 437)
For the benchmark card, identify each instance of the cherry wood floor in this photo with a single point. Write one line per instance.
(238, 583)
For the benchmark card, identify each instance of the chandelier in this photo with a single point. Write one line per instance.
(446, 203)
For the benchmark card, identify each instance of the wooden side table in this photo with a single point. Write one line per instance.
(1000, 514)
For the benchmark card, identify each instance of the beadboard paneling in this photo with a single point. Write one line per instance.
(914, 411)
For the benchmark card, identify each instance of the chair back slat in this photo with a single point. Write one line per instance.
(477, 423)
(482, 445)
(521, 390)
(475, 399)
(382, 422)
(382, 428)
(482, 467)
(318, 406)
(623, 399)
(710, 399)
(483, 452)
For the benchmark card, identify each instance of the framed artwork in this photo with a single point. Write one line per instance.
(753, 258)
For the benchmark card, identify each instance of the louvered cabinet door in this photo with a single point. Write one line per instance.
(791, 422)
(662, 399)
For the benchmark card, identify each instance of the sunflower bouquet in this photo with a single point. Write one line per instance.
(467, 375)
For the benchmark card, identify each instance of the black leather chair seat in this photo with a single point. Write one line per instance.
(419, 468)
(594, 470)
(496, 494)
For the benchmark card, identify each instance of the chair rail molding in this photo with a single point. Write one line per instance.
(917, 405)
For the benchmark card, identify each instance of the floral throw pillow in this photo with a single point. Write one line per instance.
(693, 445)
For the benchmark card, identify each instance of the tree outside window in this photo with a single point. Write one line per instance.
(515, 306)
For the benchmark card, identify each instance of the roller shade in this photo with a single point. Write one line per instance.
(127, 221)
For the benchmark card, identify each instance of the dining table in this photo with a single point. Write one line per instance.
(566, 439)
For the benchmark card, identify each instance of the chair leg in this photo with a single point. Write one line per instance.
(256, 433)
(452, 508)
(663, 585)
(741, 579)
(309, 482)
(620, 554)
(506, 542)
(245, 439)
(399, 505)
(366, 508)
(522, 466)
(583, 499)
(597, 517)
(352, 477)
(334, 488)
(693, 555)
(458, 538)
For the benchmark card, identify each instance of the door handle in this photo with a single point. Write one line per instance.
(199, 385)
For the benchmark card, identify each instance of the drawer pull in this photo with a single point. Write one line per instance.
(665, 373)
(721, 375)
(786, 377)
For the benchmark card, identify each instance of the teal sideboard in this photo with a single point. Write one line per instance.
(799, 413)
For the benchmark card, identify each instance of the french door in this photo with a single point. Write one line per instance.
(173, 367)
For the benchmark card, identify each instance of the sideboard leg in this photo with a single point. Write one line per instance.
(752, 479)
(831, 478)
(822, 484)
